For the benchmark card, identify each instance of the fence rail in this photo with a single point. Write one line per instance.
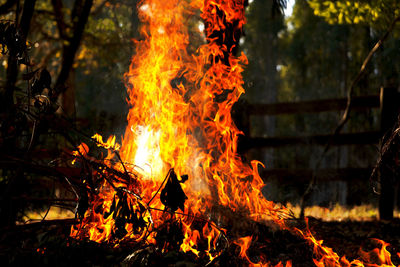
(313, 106)
(302, 175)
(389, 103)
(364, 138)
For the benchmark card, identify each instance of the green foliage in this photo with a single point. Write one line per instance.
(354, 12)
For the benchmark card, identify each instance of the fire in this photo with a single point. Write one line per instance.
(244, 244)
(377, 256)
(325, 256)
(180, 128)
(147, 156)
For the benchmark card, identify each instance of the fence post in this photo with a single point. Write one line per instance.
(389, 100)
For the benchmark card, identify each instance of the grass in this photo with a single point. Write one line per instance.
(53, 214)
(366, 212)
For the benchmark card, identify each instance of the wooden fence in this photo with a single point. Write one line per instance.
(389, 104)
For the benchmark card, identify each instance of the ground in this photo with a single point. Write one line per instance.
(49, 244)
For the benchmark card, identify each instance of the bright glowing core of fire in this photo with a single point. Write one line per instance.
(147, 157)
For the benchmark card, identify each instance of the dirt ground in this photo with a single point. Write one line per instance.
(347, 237)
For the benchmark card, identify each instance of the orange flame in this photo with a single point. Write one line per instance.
(377, 256)
(325, 256)
(244, 244)
(82, 150)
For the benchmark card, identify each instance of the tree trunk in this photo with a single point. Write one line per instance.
(9, 208)
(79, 17)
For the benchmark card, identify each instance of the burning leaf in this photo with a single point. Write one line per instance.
(172, 195)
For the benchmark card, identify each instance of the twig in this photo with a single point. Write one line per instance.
(346, 114)
(111, 170)
(72, 187)
(32, 135)
(361, 72)
(48, 209)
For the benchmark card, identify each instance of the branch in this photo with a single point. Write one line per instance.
(350, 92)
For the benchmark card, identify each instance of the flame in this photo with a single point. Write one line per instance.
(109, 144)
(180, 118)
(325, 256)
(82, 149)
(377, 256)
(244, 244)
(180, 112)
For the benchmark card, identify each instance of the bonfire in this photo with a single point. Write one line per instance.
(176, 183)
